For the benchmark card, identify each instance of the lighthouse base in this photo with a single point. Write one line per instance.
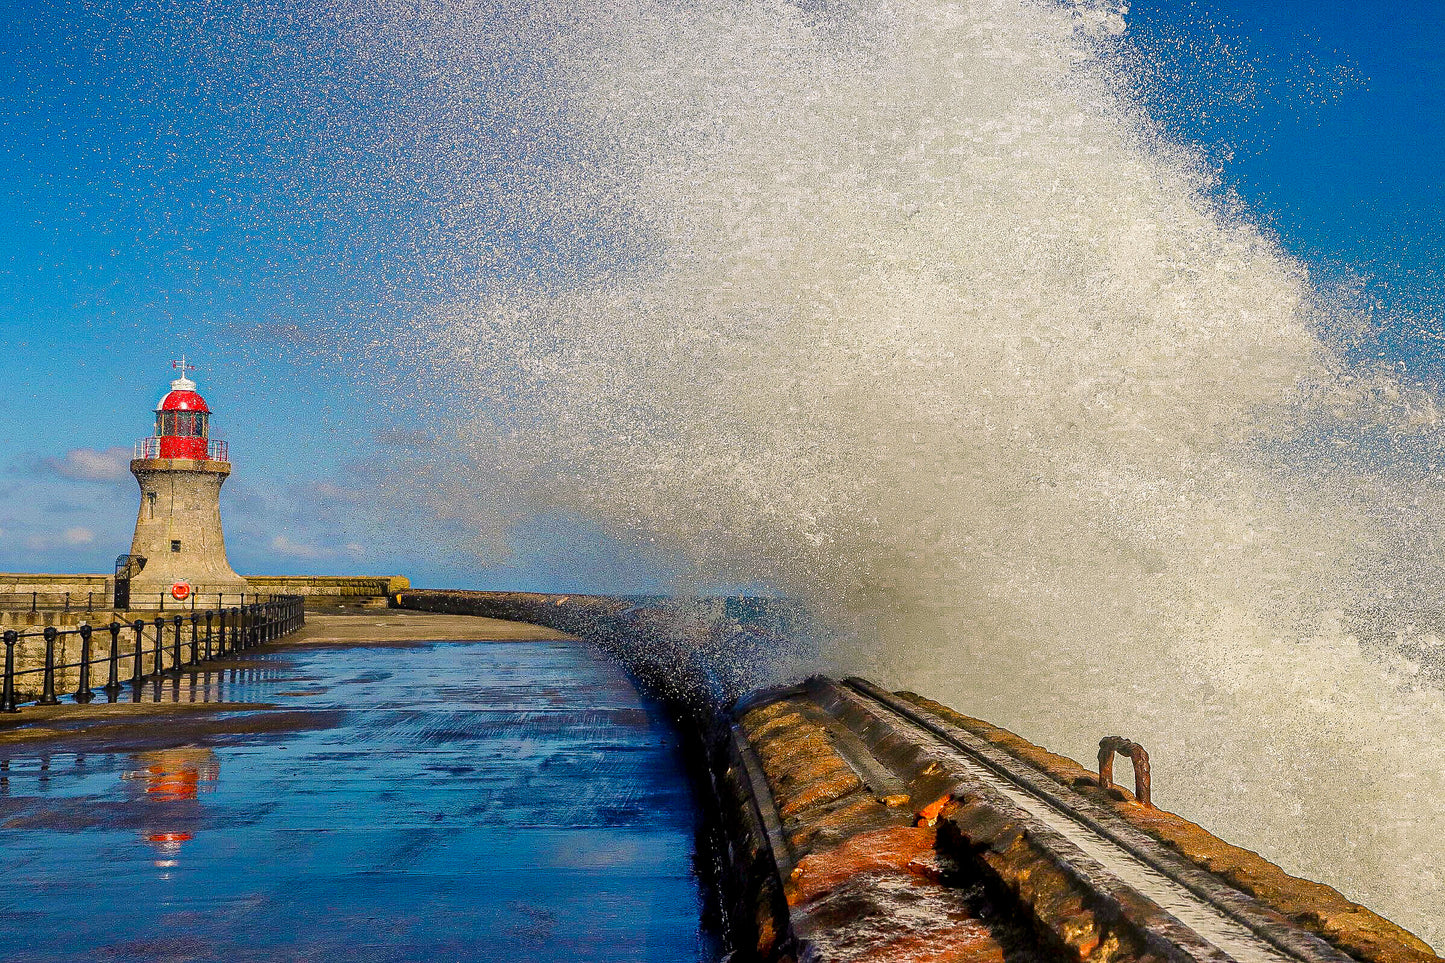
(178, 533)
(163, 595)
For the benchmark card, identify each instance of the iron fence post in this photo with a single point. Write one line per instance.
(112, 684)
(195, 638)
(47, 694)
(7, 695)
(209, 615)
(140, 629)
(82, 690)
(160, 653)
(176, 652)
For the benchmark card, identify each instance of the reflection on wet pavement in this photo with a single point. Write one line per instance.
(482, 801)
(173, 778)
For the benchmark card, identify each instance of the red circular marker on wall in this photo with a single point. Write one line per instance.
(180, 591)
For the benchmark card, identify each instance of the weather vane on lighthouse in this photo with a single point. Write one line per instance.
(182, 367)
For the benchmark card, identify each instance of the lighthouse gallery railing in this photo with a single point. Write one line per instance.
(146, 649)
(216, 449)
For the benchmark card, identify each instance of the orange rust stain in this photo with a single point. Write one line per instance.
(929, 814)
(959, 943)
(767, 933)
(900, 850)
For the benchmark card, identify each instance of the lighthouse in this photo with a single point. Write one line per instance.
(179, 548)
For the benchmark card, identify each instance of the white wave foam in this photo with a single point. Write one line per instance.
(899, 308)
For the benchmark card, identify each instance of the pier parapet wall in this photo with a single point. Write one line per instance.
(77, 593)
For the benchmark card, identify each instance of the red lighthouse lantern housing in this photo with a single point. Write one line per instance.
(183, 426)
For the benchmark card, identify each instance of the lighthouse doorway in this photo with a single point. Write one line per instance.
(126, 568)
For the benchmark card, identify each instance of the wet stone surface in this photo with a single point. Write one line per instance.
(508, 800)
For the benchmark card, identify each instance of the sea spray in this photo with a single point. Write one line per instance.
(904, 309)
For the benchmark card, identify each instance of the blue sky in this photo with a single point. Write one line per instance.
(1326, 116)
(153, 207)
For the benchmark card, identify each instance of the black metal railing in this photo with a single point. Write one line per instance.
(139, 650)
(55, 601)
(199, 599)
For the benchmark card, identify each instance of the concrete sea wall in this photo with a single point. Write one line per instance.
(836, 840)
(368, 590)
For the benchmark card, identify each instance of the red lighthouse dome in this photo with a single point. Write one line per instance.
(183, 424)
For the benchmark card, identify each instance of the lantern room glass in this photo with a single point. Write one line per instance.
(182, 424)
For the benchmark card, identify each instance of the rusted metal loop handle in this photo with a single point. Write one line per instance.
(1136, 753)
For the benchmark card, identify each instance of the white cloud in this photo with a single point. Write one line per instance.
(282, 545)
(74, 537)
(355, 550)
(89, 464)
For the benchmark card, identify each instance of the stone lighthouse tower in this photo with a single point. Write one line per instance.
(179, 548)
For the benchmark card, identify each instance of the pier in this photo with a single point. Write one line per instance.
(523, 777)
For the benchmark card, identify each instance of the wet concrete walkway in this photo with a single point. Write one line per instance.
(406, 800)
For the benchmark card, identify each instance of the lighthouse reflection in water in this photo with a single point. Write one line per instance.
(169, 783)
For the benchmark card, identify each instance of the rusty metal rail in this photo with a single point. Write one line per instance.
(1058, 806)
